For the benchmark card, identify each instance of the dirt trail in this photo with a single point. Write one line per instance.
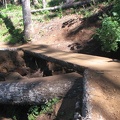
(65, 34)
(105, 79)
(87, 61)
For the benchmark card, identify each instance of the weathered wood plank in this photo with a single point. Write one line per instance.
(76, 61)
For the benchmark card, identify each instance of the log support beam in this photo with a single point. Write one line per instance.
(40, 90)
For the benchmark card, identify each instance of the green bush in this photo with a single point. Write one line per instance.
(34, 111)
(109, 33)
(116, 7)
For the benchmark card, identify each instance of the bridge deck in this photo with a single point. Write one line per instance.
(83, 60)
(104, 85)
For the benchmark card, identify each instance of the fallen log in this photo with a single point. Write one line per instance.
(68, 65)
(40, 90)
(64, 6)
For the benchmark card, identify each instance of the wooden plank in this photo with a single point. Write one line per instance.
(74, 60)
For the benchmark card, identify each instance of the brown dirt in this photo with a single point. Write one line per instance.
(15, 65)
(65, 34)
(70, 33)
(104, 97)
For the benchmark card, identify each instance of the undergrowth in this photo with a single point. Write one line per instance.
(47, 108)
(11, 21)
(11, 24)
(109, 33)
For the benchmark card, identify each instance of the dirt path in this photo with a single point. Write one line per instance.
(61, 33)
(105, 79)
(87, 61)
(69, 37)
(103, 92)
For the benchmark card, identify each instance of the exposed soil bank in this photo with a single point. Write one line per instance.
(17, 66)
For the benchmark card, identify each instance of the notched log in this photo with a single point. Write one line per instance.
(39, 90)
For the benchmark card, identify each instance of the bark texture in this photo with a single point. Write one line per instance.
(27, 19)
(39, 90)
(44, 3)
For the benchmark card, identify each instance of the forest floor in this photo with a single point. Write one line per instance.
(66, 34)
(69, 33)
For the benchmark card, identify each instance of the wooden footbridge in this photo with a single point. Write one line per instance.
(101, 99)
(84, 61)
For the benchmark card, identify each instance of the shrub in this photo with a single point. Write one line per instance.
(109, 33)
(34, 111)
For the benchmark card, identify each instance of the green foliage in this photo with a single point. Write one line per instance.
(47, 108)
(14, 118)
(46, 14)
(116, 8)
(109, 33)
(11, 24)
(11, 8)
(59, 13)
(34, 111)
(53, 3)
(87, 13)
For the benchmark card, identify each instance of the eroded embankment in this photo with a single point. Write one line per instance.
(26, 80)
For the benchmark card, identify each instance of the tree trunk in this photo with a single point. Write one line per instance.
(44, 4)
(39, 90)
(27, 20)
(5, 3)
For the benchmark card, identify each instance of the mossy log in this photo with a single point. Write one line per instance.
(40, 90)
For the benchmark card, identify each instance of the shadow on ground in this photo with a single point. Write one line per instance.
(16, 35)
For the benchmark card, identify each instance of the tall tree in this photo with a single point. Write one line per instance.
(27, 20)
(4, 3)
(44, 3)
